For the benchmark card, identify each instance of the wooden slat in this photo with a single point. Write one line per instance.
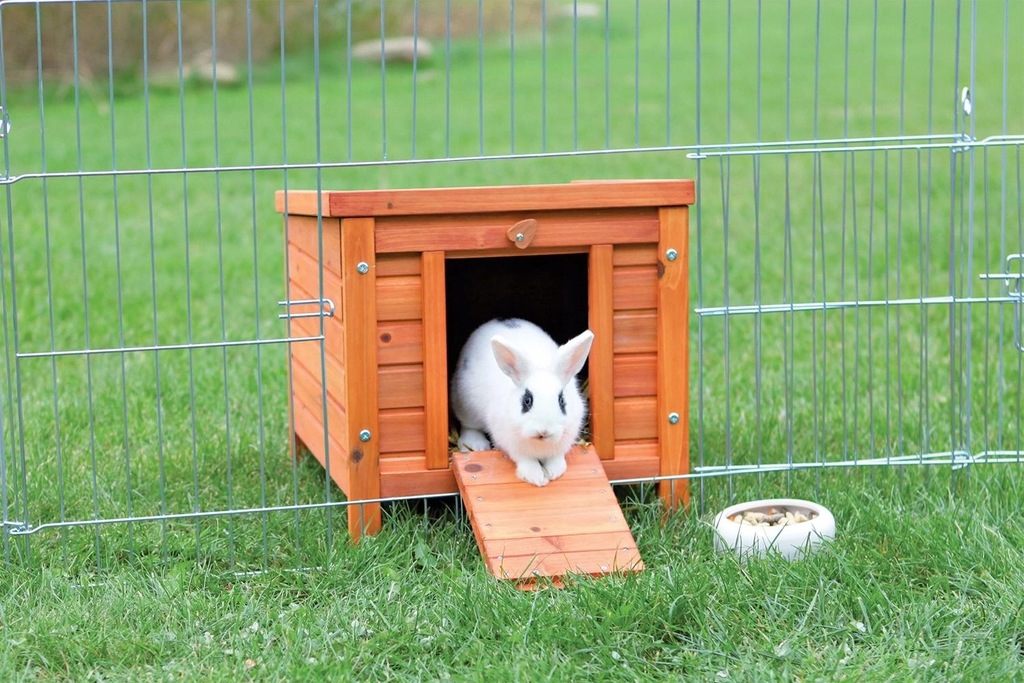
(562, 520)
(405, 474)
(571, 525)
(578, 195)
(307, 421)
(579, 461)
(399, 298)
(570, 543)
(636, 450)
(634, 460)
(399, 343)
(308, 425)
(399, 483)
(360, 314)
(307, 354)
(304, 278)
(673, 356)
(402, 463)
(505, 252)
(333, 330)
(305, 269)
(302, 203)
(306, 385)
(636, 332)
(400, 386)
(297, 291)
(508, 497)
(636, 375)
(435, 359)
(636, 287)
(454, 233)
(303, 235)
(600, 370)
(635, 255)
(558, 564)
(402, 430)
(635, 418)
(392, 265)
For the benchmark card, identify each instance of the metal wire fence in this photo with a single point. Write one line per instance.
(856, 273)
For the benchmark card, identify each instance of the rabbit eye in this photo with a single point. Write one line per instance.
(561, 402)
(527, 401)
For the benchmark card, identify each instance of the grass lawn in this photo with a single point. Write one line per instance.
(924, 581)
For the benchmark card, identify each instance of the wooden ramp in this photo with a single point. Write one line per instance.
(571, 526)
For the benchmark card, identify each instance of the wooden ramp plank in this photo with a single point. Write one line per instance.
(571, 526)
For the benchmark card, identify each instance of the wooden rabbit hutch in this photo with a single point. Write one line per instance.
(410, 273)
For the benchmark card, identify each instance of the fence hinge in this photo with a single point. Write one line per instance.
(966, 142)
(16, 528)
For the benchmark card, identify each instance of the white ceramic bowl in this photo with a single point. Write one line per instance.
(791, 540)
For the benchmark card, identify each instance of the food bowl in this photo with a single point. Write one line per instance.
(789, 526)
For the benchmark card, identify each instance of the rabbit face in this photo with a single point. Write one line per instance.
(548, 410)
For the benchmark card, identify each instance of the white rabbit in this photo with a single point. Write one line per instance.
(514, 383)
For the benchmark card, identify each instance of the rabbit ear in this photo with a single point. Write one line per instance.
(572, 355)
(511, 361)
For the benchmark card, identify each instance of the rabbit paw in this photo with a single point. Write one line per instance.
(531, 472)
(473, 440)
(555, 467)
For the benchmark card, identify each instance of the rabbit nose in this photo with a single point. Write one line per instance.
(544, 434)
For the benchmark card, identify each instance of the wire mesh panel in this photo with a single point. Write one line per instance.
(839, 293)
(856, 269)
